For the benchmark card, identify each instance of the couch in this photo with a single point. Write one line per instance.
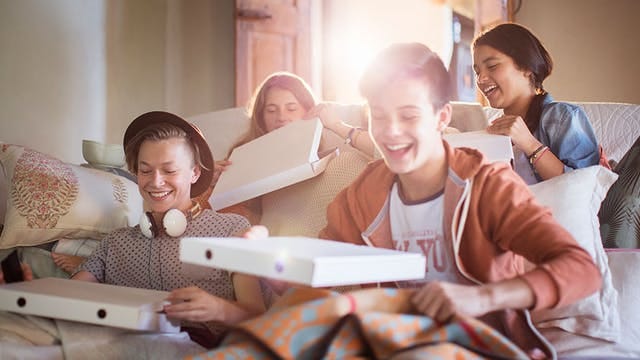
(96, 201)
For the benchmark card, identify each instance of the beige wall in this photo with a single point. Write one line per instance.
(52, 74)
(200, 54)
(594, 44)
(168, 55)
(135, 54)
(73, 70)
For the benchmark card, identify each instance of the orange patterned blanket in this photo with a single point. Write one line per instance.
(372, 323)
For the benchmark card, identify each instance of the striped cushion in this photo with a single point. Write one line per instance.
(620, 211)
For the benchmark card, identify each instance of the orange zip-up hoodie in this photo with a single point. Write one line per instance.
(494, 223)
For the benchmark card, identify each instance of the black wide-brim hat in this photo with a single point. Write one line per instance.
(156, 117)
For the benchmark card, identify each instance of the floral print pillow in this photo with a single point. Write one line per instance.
(48, 199)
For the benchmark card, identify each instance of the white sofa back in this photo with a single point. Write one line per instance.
(616, 125)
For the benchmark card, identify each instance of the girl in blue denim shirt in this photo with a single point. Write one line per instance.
(549, 137)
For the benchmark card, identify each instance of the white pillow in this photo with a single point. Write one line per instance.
(625, 267)
(574, 199)
(49, 199)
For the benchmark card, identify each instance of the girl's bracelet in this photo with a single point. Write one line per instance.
(350, 138)
(537, 154)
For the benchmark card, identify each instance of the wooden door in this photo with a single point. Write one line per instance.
(271, 35)
(491, 12)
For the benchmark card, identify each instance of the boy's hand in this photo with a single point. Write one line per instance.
(194, 304)
(441, 300)
(256, 232)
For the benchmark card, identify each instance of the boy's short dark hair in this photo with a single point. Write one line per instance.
(408, 60)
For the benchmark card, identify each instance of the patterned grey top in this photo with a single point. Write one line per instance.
(125, 257)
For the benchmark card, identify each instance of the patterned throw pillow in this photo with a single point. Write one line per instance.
(620, 211)
(48, 199)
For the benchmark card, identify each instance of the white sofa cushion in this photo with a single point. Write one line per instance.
(300, 209)
(574, 199)
(625, 267)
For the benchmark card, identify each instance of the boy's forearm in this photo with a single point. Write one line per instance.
(84, 276)
(234, 312)
(508, 294)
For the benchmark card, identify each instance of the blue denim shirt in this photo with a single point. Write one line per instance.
(566, 130)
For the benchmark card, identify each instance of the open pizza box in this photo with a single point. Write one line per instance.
(87, 302)
(470, 118)
(303, 260)
(275, 160)
(494, 147)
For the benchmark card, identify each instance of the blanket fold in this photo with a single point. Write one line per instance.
(373, 323)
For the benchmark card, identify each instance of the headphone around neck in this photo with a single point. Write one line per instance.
(174, 222)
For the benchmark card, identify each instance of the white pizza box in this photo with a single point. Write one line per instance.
(303, 260)
(494, 147)
(88, 302)
(277, 159)
(468, 116)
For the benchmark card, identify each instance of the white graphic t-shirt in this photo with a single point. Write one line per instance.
(417, 228)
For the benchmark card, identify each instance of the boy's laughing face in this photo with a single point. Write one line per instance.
(405, 127)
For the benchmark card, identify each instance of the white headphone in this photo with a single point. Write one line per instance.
(174, 223)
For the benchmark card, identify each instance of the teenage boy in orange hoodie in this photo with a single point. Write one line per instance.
(474, 221)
